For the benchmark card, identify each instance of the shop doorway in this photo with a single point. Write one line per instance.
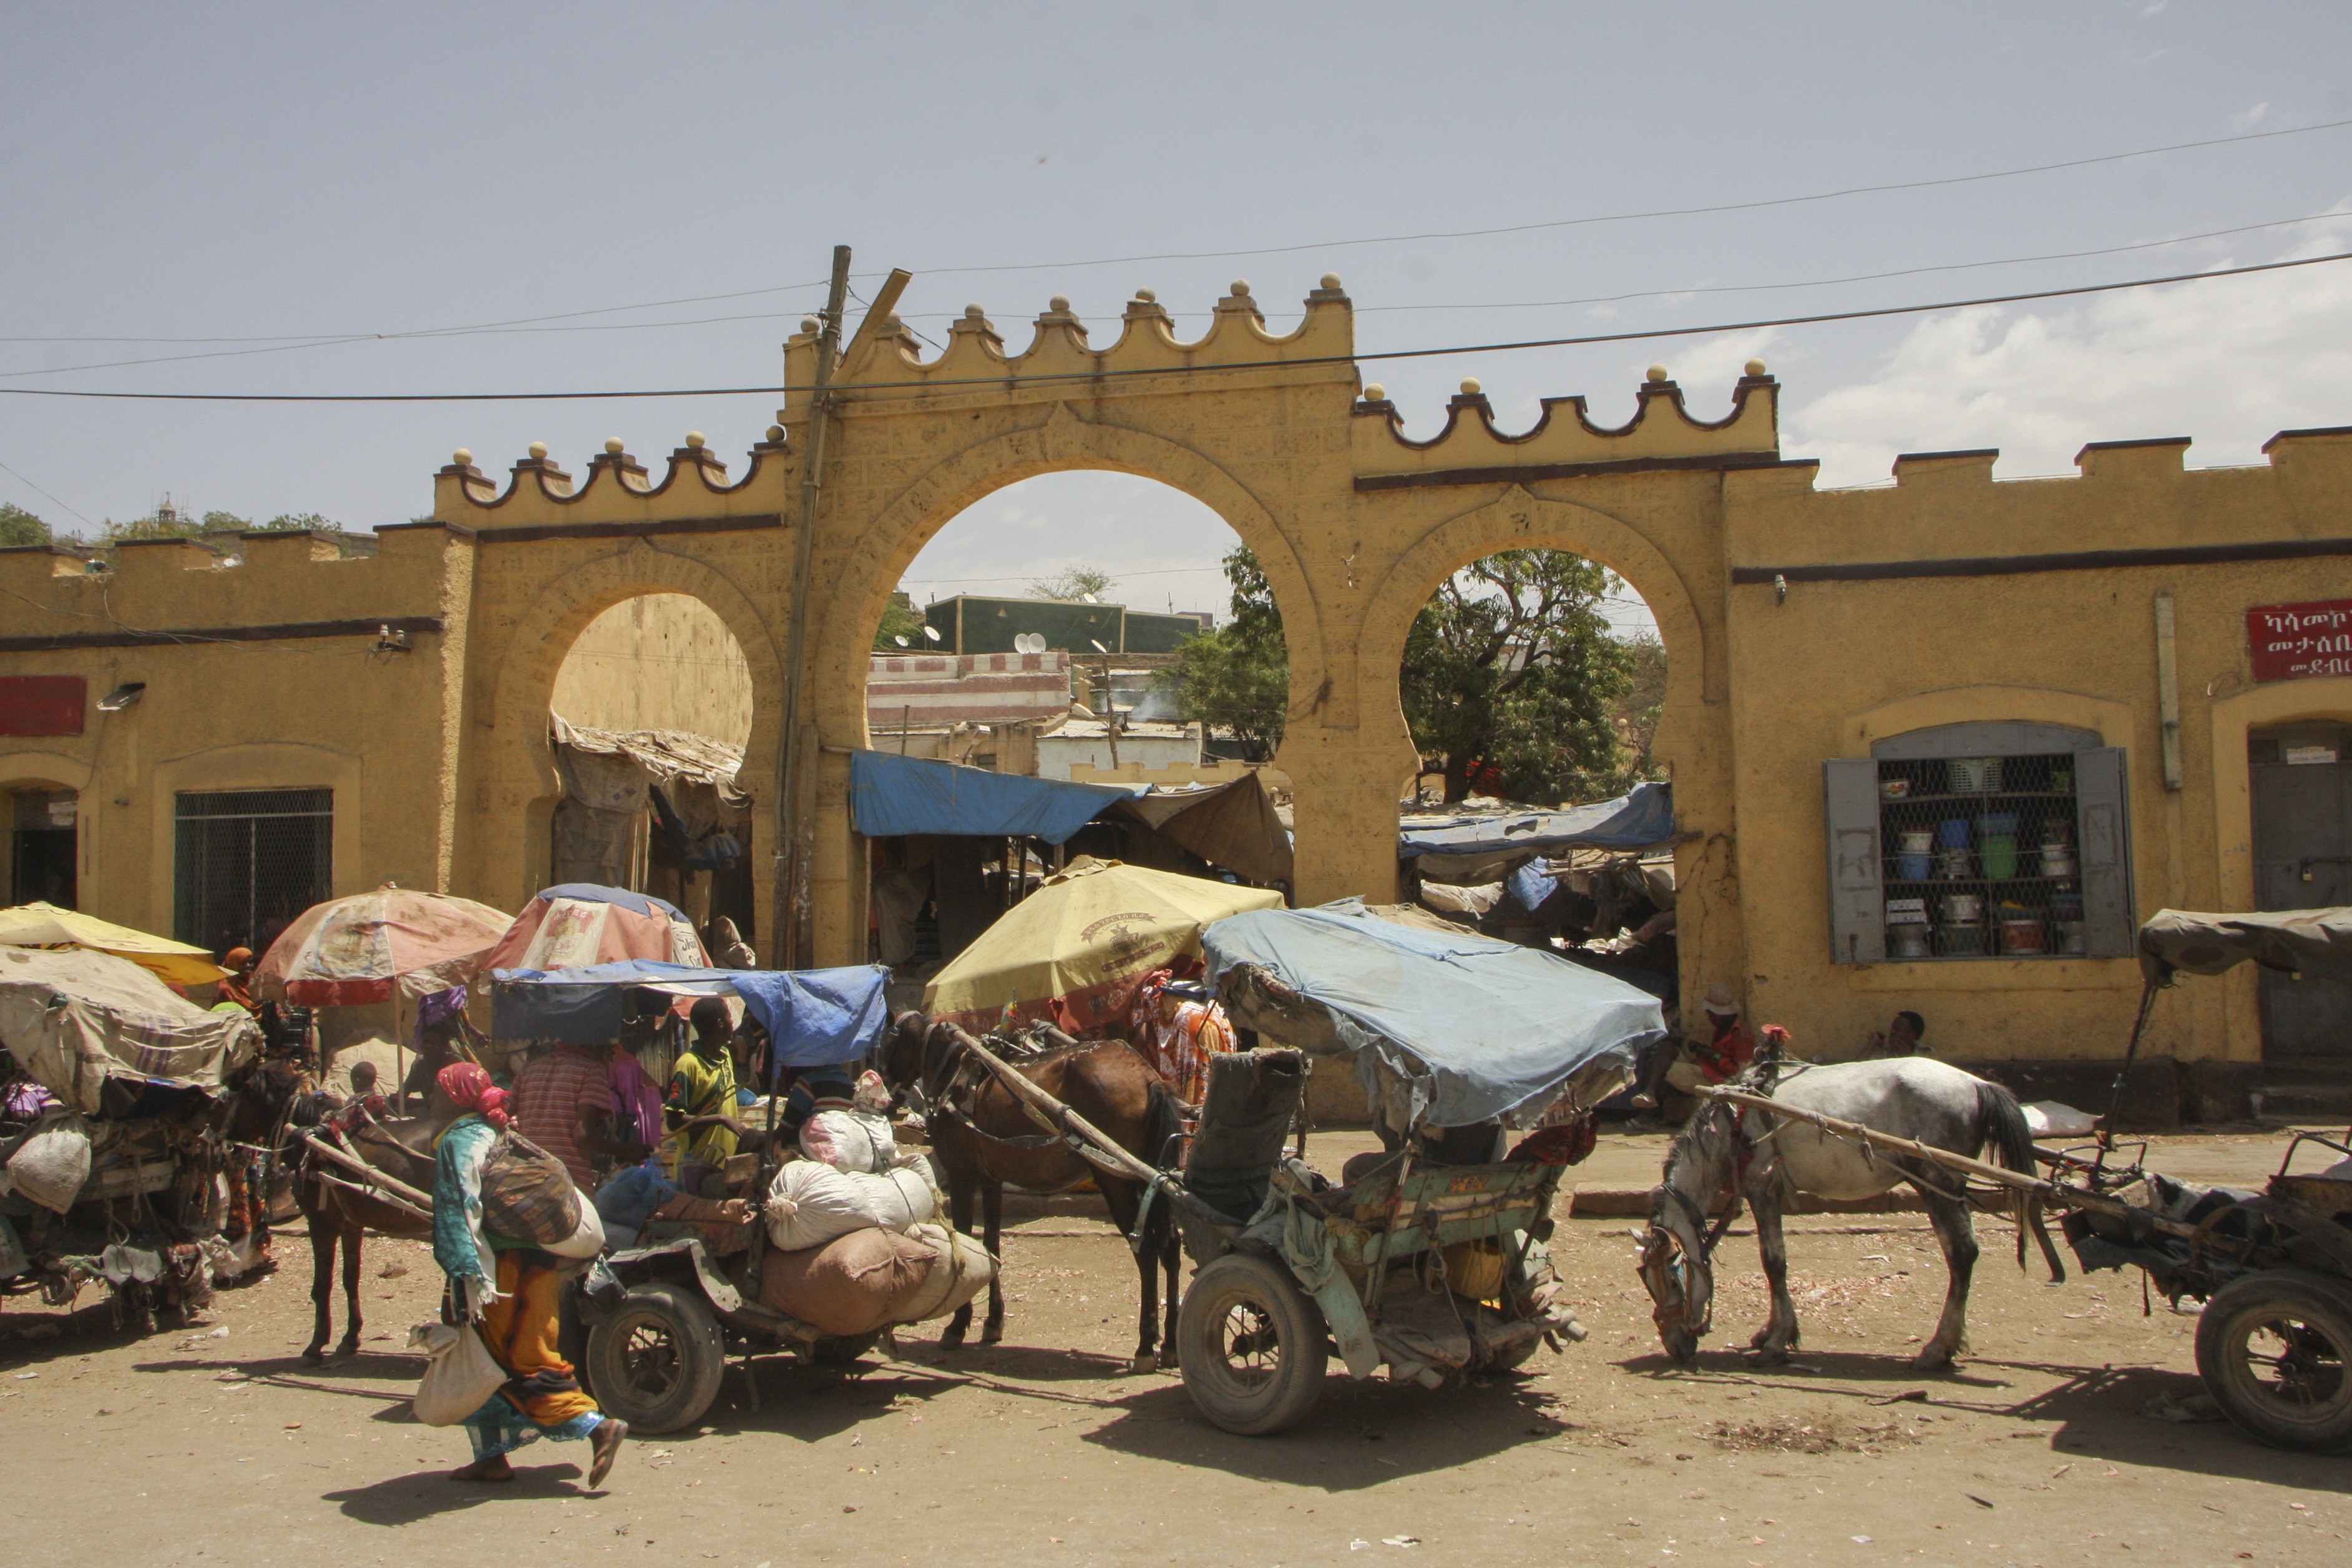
(41, 851)
(2300, 779)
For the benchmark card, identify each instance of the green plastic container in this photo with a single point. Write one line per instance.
(1998, 855)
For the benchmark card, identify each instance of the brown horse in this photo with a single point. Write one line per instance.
(279, 1113)
(984, 1142)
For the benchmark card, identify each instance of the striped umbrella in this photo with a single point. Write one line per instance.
(350, 952)
(578, 923)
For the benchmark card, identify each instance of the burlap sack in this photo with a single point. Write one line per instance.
(846, 1286)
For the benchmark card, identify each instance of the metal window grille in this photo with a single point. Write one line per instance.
(1979, 857)
(248, 862)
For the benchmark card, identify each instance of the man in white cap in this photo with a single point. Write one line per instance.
(1693, 1062)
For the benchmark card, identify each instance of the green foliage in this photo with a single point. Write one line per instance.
(19, 527)
(165, 522)
(900, 618)
(1644, 700)
(1074, 582)
(294, 522)
(221, 522)
(1510, 675)
(1238, 677)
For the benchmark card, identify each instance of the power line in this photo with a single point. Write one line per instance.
(320, 339)
(30, 485)
(930, 384)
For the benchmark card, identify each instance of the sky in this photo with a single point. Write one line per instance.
(231, 176)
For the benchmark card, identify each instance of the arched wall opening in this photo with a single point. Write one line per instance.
(43, 861)
(651, 712)
(1051, 628)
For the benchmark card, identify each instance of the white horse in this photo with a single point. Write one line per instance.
(1727, 1151)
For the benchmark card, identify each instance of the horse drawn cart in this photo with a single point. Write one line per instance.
(2273, 1267)
(1431, 1258)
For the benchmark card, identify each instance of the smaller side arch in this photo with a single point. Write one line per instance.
(22, 768)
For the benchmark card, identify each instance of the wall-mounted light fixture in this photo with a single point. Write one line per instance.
(122, 696)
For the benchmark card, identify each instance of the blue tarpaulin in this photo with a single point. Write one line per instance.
(1531, 887)
(1633, 822)
(893, 795)
(1477, 1029)
(816, 1016)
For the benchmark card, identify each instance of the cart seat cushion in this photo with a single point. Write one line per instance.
(1252, 1100)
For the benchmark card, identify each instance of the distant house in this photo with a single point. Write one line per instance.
(970, 624)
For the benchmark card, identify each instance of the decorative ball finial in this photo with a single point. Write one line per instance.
(462, 458)
(1060, 303)
(1241, 288)
(1331, 280)
(612, 444)
(1147, 295)
(974, 313)
(776, 435)
(538, 450)
(1657, 373)
(1375, 392)
(1755, 366)
(693, 439)
(809, 324)
(1470, 387)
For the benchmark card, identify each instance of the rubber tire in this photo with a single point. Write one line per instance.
(693, 1333)
(1302, 1345)
(2235, 1309)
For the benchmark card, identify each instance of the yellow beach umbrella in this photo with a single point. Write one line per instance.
(46, 926)
(1073, 950)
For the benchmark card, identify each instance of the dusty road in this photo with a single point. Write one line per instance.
(215, 1445)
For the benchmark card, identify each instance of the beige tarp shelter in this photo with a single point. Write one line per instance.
(74, 1018)
(1231, 825)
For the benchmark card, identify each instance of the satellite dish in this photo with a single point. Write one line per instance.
(931, 631)
(1029, 642)
(1092, 600)
(1098, 647)
(901, 641)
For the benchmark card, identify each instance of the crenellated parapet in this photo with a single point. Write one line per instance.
(1564, 442)
(885, 360)
(618, 489)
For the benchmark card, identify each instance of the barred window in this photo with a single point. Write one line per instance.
(248, 861)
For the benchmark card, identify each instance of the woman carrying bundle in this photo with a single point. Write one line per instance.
(508, 1291)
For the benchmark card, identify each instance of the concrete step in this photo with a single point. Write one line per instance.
(2302, 1101)
(2326, 1071)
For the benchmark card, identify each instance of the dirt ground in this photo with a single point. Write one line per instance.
(217, 1445)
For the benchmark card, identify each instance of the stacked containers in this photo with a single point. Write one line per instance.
(1996, 843)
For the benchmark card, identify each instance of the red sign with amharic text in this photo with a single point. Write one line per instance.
(41, 705)
(2287, 641)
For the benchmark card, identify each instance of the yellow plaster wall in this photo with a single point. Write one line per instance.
(660, 661)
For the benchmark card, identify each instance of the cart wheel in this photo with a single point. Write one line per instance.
(657, 1360)
(1253, 1348)
(2275, 1352)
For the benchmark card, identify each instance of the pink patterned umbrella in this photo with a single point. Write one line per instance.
(578, 923)
(350, 952)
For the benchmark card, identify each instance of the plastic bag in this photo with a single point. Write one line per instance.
(810, 1203)
(850, 1141)
(459, 1378)
(51, 1167)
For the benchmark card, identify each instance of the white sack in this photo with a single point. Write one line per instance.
(587, 1239)
(2049, 1119)
(52, 1165)
(459, 1378)
(810, 1203)
(961, 1268)
(849, 1141)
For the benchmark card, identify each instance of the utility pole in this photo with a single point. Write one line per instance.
(790, 945)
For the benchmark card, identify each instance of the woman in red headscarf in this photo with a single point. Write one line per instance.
(507, 1289)
(237, 986)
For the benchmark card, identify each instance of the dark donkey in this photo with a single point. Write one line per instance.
(270, 1112)
(984, 1140)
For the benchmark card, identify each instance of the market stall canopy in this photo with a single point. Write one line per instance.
(893, 795)
(352, 952)
(1073, 950)
(73, 1019)
(1474, 1029)
(578, 924)
(1232, 825)
(46, 926)
(2317, 942)
(816, 1016)
(1632, 822)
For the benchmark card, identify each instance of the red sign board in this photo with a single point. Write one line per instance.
(41, 705)
(2286, 641)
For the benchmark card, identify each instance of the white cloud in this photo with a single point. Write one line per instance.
(2250, 119)
(2228, 363)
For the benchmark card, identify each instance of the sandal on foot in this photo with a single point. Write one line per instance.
(605, 1441)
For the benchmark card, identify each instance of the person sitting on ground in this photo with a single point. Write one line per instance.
(1905, 1037)
(700, 1105)
(1687, 1065)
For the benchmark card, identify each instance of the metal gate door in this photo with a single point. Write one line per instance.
(2301, 788)
(248, 862)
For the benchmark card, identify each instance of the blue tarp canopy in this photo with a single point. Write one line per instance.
(1476, 1028)
(1633, 822)
(816, 1016)
(893, 795)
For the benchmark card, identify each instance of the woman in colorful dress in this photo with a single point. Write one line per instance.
(509, 1290)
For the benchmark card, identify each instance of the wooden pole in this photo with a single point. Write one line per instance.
(791, 858)
(359, 1168)
(1056, 1117)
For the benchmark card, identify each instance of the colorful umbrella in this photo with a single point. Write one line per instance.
(46, 926)
(580, 923)
(349, 952)
(1074, 950)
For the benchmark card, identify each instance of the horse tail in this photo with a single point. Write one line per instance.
(2002, 1122)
